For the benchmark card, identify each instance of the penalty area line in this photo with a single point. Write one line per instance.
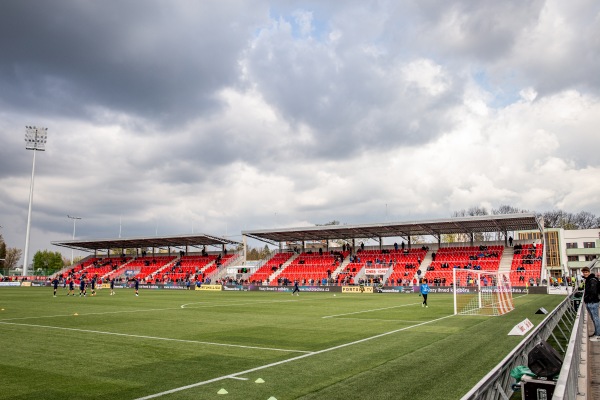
(237, 374)
(366, 311)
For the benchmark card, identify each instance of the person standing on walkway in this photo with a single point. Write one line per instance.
(590, 298)
(424, 292)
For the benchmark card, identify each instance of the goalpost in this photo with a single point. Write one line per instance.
(479, 292)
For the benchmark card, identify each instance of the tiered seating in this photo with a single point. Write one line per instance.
(192, 267)
(147, 265)
(218, 262)
(526, 265)
(486, 258)
(94, 267)
(405, 265)
(311, 266)
(263, 273)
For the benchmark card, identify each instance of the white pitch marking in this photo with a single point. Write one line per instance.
(239, 304)
(97, 313)
(154, 337)
(230, 376)
(379, 319)
(365, 311)
(238, 378)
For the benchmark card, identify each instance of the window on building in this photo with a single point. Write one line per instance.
(573, 258)
(589, 245)
(590, 257)
(572, 245)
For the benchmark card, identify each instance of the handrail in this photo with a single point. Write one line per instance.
(568, 378)
(497, 384)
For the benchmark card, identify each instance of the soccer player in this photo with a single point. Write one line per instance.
(136, 284)
(93, 285)
(112, 286)
(296, 288)
(55, 284)
(82, 286)
(424, 292)
(71, 287)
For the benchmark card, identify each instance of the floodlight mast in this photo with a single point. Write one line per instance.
(35, 139)
(74, 220)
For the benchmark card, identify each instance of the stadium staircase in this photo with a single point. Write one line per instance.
(275, 274)
(507, 258)
(427, 261)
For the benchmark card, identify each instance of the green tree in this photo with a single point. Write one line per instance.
(47, 261)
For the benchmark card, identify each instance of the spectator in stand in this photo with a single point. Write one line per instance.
(590, 298)
(510, 241)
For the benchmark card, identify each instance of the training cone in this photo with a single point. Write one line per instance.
(75, 314)
(222, 391)
(271, 398)
(260, 380)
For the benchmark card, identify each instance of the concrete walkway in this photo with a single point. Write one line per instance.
(593, 365)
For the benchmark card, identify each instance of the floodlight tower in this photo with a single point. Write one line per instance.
(35, 139)
(74, 220)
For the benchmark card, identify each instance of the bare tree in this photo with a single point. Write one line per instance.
(13, 255)
(586, 220)
(506, 209)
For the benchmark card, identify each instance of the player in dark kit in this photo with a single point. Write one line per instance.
(296, 289)
(55, 284)
(93, 284)
(136, 284)
(71, 287)
(82, 287)
(112, 286)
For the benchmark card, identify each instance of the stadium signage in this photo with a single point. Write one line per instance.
(376, 271)
(210, 287)
(10, 283)
(357, 289)
(274, 289)
(25, 283)
(235, 288)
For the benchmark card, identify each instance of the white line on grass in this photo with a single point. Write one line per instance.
(379, 319)
(154, 337)
(235, 375)
(235, 304)
(96, 313)
(365, 311)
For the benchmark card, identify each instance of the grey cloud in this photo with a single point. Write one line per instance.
(158, 60)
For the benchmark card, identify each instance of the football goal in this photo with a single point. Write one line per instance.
(479, 292)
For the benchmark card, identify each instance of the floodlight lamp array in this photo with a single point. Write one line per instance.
(35, 138)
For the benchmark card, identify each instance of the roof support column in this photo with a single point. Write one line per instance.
(245, 248)
(380, 244)
(472, 237)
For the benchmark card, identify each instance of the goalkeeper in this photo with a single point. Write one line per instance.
(424, 292)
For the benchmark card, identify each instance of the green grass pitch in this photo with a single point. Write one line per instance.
(193, 344)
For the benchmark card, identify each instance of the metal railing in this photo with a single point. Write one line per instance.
(498, 384)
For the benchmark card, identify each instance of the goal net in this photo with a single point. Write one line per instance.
(481, 292)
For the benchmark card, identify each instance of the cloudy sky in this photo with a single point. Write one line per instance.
(217, 116)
